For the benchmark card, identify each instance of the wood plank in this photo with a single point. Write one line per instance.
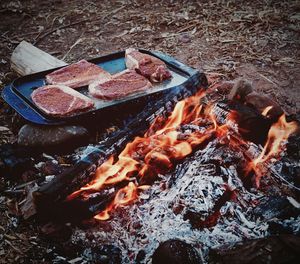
(27, 59)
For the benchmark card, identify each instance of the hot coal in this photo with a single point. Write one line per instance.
(176, 252)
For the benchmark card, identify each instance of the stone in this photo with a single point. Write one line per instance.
(176, 252)
(240, 90)
(260, 102)
(58, 139)
(222, 87)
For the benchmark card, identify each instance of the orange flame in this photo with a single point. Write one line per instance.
(123, 197)
(278, 134)
(163, 145)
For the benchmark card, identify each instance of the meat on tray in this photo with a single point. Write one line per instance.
(60, 100)
(120, 85)
(151, 67)
(77, 74)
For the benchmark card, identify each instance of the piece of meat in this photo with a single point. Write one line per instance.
(77, 74)
(152, 68)
(60, 100)
(120, 85)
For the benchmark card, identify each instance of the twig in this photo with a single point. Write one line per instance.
(13, 192)
(114, 12)
(76, 43)
(13, 247)
(9, 40)
(188, 27)
(58, 28)
(266, 78)
(24, 184)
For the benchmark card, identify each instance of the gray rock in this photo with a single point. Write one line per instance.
(240, 90)
(54, 138)
(260, 102)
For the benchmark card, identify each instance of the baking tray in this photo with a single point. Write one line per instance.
(18, 93)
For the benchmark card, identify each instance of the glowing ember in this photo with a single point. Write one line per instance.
(164, 144)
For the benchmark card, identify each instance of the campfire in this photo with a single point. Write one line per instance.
(149, 132)
(190, 176)
(168, 141)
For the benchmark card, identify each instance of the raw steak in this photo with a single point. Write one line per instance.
(77, 74)
(152, 68)
(120, 85)
(60, 100)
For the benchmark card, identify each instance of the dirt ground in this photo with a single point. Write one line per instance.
(258, 40)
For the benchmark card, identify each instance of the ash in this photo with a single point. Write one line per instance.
(197, 185)
(159, 213)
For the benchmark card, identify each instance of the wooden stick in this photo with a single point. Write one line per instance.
(28, 59)
(39, 38)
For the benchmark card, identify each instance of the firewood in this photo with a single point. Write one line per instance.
(28, 59)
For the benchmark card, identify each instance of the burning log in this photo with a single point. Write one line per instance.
(253, 110)
(64, 184)
(168, 140)
(61, 185)
(81, 207)
(247, 118)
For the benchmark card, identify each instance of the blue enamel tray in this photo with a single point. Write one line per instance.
(18, 93)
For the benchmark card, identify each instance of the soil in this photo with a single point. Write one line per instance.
(258, 40)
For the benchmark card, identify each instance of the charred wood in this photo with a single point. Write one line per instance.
(80, 208)
(252, 125)
(273, 249)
